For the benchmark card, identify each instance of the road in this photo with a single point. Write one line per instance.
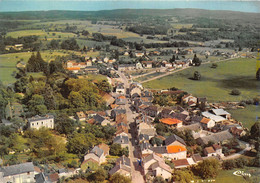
(134, 151)
(238, 154)
(168, 73)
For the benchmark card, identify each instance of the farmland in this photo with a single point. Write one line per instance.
(216, 84)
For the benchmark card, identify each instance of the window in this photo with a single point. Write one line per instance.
(42, 122)
(37, 123)
(32, 124)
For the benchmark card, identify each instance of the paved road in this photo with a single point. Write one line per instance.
(168, 73)
(134, 152)
(238, 154)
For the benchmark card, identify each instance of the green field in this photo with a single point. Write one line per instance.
(215, 84)
(149, 76)
(41, 34)
(246, 115)
(226, 176)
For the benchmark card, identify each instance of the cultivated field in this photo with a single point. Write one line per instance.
(215, 84)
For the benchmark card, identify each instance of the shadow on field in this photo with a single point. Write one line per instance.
(240, 82)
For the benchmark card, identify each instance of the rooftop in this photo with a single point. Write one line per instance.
(175, 149)
(170, 121)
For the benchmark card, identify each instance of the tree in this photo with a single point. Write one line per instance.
(70, 44)
(208, 168)
(255, 130)
(159, 179)
(54, 44)
(214, 65)
(76, 99)
(196, 60)
(258, 74)
(172, 60)
(104, 86)
(85, 33)
(196, 75)
(98, 176)
(79, 143)
(235, 92)
(115, 150)
(64, 125)
(183, 176)
(118, 178)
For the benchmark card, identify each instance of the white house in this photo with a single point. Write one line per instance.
(207, 123)
(37, 122)
(155, 166)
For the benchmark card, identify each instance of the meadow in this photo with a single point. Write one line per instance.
(8, 61)
(247, 115)
(215, 84)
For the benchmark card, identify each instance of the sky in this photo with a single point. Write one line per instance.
(95, 5)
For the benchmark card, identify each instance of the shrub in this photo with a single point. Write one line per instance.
(235, 92)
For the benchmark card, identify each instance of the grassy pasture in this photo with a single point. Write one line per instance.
(247, 115)
(179, 26)
(215, 84)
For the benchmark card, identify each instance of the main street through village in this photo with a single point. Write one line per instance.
(134, 150)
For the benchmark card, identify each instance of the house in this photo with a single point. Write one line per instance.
(167, 64)
(126, 67)
(42, 178)
(120, 89)
(147, 93)
(176, 152)
(166, 113)
(91, 69)
(138, 65)
(209, 151)
(197, 158)
(122, 140)
(37, 122)
(207, 123)
(97, 154)
(190, 100)
(121, 101)
(81, 116)
(116, 112)
(222, 113)
(143, 138)
(135, 92)
(180, 163)
(195, 128)
(139, 54)
(239, 132)
(147, 64)
(214, 150)
(23, 172)
(175, 140)
(123, 167)
(172, 122)
(154, 166)
(220, 137)
(101, 120)
(152, 111)
(107, 97)
(213, 117)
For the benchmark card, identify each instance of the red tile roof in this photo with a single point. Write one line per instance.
(170, 121)
(175, 149)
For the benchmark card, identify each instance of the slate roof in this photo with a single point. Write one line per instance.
(216, 137)
(193, 127)
(121, 140)
(159, 149)
(174, 138)
(144, 146)
(98, 118)
(143, 137)
(121, 163)
(42, 178)
(97, 151)
(209, 150)
(17, 169)
(37, 118)
(197, 157)
(196, 119)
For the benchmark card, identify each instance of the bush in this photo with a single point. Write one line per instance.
(235, 92)
(214, 65)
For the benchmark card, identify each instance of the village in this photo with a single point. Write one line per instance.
(149, 132)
